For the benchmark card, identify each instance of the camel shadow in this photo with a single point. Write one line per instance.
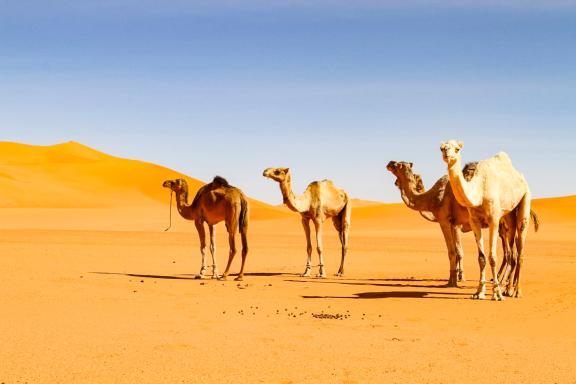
(269, 274)
(393, 295)
(350, 282)
(191, 276)
(169, 277)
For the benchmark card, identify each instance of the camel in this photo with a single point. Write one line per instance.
(321, 200)
(215, 202)
(440, 206)
(496, 189)
(507, 232)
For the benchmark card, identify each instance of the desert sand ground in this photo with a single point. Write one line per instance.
(122, 305)
(100, 294)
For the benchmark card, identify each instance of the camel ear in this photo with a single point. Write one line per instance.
(410, 165)
(286, 170)
(460, 144)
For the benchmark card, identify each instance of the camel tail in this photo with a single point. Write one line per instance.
(243, 220)
(535, 220)
(243, 224)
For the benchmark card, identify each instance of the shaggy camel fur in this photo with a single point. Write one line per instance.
(497, 188)
(213, 203)
(321, 200)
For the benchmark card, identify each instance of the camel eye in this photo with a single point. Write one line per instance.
(276, 172)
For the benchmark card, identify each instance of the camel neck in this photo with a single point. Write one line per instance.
(291, 201)
(184, 208)
(411, 198)
(464, 191)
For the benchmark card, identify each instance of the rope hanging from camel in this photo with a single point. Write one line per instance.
(170, 212)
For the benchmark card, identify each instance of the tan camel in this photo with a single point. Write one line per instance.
(497, 188)
(321, 200)
(439, 201)
(215, 202)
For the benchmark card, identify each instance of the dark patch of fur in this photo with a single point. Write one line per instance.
(469, 170)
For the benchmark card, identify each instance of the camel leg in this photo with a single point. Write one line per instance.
(319, 248)
(507, 232)
(523, 221)
(503, 232)
(447, 232)
(493, 240)
(342, 224)
(215, 274)
(232, 253)
(477, 229)
(509, 263)
(202, 236)
(306, 225)
(244, 238)
(458, 253)
(513, 264)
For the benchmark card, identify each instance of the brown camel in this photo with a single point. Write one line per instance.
(440, 206)
(213, 203)
(497, 188)
(321, 200)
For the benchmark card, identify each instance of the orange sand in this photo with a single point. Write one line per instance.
(94, 291)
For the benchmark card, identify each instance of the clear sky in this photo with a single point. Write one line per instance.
(330, 88)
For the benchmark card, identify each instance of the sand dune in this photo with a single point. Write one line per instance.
(72, 175)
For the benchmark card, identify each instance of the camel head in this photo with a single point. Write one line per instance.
(451, 151)
(402, 170)
(277, 174)
(177, 185)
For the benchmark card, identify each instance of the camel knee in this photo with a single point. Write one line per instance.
(481, 260)
(492, 260)
(319, 250)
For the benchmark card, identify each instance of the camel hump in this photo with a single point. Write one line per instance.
(219, 181)
(503, 156)
(325, 181)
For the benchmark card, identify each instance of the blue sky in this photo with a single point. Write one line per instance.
(332, 89)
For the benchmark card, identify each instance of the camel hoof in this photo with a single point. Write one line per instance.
(479, 296)
(305, 274)
(339, 274)
(518, 294)
(239, 278)
(321, 276)
(497, 297)
(221, 278)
